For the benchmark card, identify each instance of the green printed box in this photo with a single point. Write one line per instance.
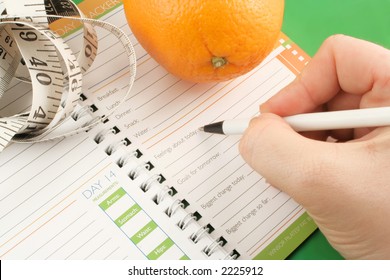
(130, 213)
(160, 249)
(107, 203)
(289, 240)
(144, 232)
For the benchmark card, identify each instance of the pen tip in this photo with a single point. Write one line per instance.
(201, 128)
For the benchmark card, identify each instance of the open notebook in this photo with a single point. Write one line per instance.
(147, 184)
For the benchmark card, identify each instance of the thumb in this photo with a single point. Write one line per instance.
(286, 159)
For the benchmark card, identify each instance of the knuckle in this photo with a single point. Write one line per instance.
(335, 38)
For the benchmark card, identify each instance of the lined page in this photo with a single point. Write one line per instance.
(42, 214)
(207, 169)
(163, 115)
(50, 209)
(67, 199)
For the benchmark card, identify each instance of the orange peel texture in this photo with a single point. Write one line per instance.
(206, 40)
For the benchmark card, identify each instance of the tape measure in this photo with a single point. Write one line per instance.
(32, 53)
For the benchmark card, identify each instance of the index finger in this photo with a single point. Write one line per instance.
(342, 63)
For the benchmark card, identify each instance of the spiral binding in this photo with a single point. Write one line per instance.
(77, 114)
(165, 191)
(196, 236)
(135, 172)
(145, 186)
(103, 134)
(82, 111)
(232, 255)
(112, 148)
(123, 160)
(173, 207)
(187, 219)
(212, 247)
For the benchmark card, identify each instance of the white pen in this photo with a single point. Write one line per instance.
(370, 117)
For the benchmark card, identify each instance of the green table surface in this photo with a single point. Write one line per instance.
(308, 23)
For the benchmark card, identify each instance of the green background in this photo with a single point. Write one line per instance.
(308, 23)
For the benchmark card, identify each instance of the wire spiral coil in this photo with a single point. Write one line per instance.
(162, 194)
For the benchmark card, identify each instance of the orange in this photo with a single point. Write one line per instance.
(206, 40)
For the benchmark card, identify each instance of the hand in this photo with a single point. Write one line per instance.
(344, 186)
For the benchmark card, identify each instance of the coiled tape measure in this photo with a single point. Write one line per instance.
(31, 52)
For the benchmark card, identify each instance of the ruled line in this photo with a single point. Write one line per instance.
(222, 181)
(215, 172)
(98, 248)
(47, 241)
(182, 108)
(188, 152)
(85, 243)
(168, 103)
(285, 222)
(109, 77)
(159, 94)
(35, 159)
(70, 239)
(236, 200)
(110, 254)
(56, 195)
(247, 205)
(266, 219)
(103, 64)
(197, 114)
(200, 156)
(15, 100)
(24, 166)
(17, 244)
(53, 207)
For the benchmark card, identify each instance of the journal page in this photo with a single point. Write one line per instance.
(163, 115)
(69, 199)
(61, 197)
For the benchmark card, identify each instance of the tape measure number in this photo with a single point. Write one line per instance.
(31, 52)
